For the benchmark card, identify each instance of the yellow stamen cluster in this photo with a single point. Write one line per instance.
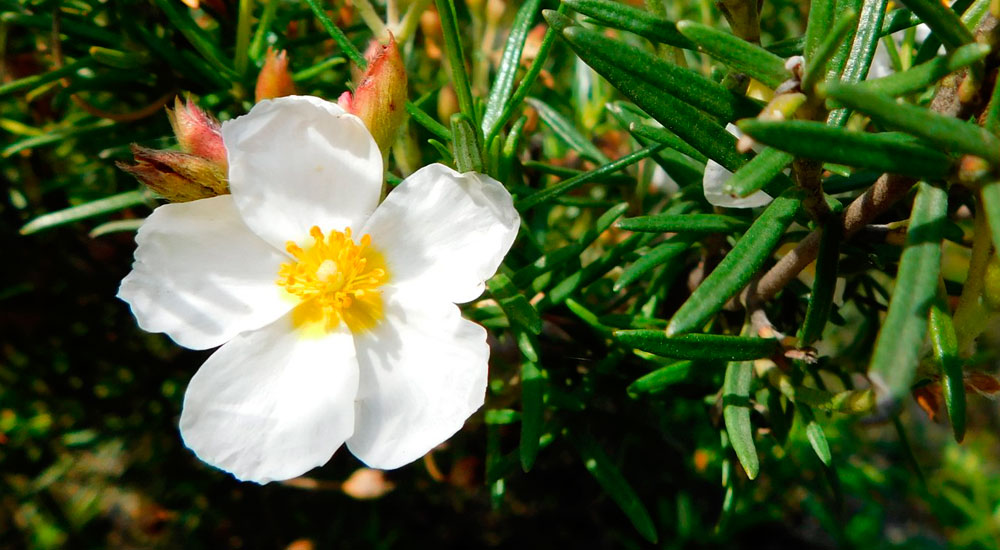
(335, 279)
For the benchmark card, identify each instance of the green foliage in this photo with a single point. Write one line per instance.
(662, 368)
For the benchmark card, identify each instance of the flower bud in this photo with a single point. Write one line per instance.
(274, 79)
(198, 171)
(380, 97)
(198, 132)
(447, 103)
(177, 176)
(430, 26)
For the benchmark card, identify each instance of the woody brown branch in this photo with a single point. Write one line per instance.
(882, 194)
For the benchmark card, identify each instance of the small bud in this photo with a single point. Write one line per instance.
(274, 79)
(447, 103)
(430, 26)
(380, 97)
(494, 11)
(198, 132)
(367, 484)
(177, 176)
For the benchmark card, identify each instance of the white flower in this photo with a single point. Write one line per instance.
(716, 178)
(881, 62)
(337, 319)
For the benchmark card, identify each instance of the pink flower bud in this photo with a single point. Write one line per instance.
(198, 132)
(274, 79)
(177, 176)
(380, 97)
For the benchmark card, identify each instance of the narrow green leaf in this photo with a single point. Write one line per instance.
(526, 83)
(759, 172)
(442, 149)
(948, 133)
(567, 132)
(944, 342)
(422, 118)
(37, 80)
(501, 417)
(835, 67)
(116, 226)
(119, 59)
(944, 22)
(599, 464)
(682, 83)
(594, 270)
(816, 436)
(627, 18)
(338, 35)
(926, 74)
(244, 15)
(815, 69)
(821, 20)
(263, 27)
(532, 412)
(57, 135)
(664, 252)
(859, 61)
(885, 152)
(72, 27)
(699, 346)
(588, 317)
(563, 187)
(658, 134)
(514, 304)
(897, 349)
(692, 125)
(897, 20)
(736, 414)
(684, 223)
(824, 285)
(182, 60)
(990, 199)
(316, 70)
(465, 144)
(737, 53)
(660, 379)
(196, 36)
(456, 59)
(557, 258)
(787, 47)
(106, 205)
(503, 84)
(739, 266)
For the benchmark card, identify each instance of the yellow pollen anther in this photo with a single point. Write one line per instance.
(335, 280)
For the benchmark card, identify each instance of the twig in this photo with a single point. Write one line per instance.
(875, 201)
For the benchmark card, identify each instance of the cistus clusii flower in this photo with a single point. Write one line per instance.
(715, 180)
(197, 171)
(336, 314)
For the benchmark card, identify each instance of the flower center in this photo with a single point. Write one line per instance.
(335, 280)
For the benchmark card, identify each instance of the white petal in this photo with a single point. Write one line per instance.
(201, 276)
(272, 404)
(662, 182)
(444, 232)
(881, 62)
(423, 373)
(299, 161)
(716, 178)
